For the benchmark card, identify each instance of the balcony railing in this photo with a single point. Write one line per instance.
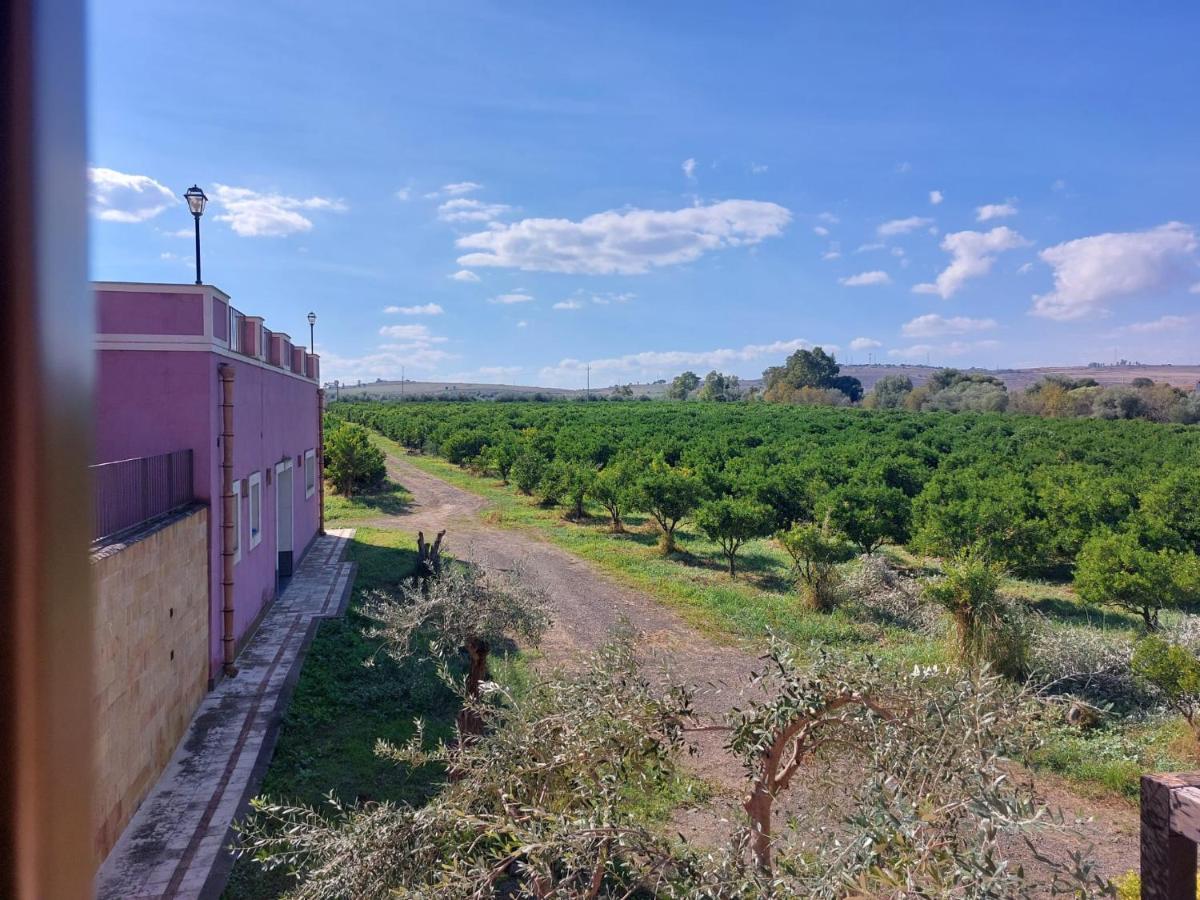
(130, 492)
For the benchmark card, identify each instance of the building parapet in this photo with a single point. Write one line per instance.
(151, 316)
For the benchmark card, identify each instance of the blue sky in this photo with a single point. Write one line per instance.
(511, 191)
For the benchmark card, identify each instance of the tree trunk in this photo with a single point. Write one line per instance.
(667, 544)
(469, 721)
(758, 809)
(732, 570)
(429, 556)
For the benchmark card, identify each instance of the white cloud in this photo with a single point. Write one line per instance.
(821, 230)
(522, 324)
(972, 255)
(517, 296)
(1089, 272)
(458, 188)
(628, 242)
(251, 213)
(427, 309)
(904, 167)
(464, 275)
(933, 325)
(903, 226)
(1195, 288)
(1163, 323)
(1025, 268)
(656, 363)
(867, 279)
(404, 193)
(865, 343)
(569, 304)
(936, 198)
(867, 248)
(920, 352)
(419, 333)
(828, 217)
(1058, 186)
(464, 209)
(118, 197)
(606, 299)
(757, 168)
(831, 254)
(990, 211)
(689, 169)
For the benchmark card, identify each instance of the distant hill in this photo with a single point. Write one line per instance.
(1186, 377)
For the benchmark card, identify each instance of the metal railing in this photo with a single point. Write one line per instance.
(132, 491)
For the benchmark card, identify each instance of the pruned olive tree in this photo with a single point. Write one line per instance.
(462, 610)
(541, 803)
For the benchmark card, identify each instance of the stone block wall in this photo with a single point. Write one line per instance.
(151, 659)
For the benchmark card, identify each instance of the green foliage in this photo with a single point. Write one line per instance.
(991, 511)
(869, 513)
(463, 446)
(816, 551)
(352, 462)
(1028, 492)
(1115, 569)
(555, 482)
(669, 494)
(1174, 671)
(720, 387)
(682, 385)
(1171, 510)
(808, 369)
(988, 630)
(731, 522)
(615, 490)
(889, 392)
(527, 471)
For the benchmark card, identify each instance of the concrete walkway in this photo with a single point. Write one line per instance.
(175, 844)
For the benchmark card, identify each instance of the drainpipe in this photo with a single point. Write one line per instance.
(228, 518)
(321, 456)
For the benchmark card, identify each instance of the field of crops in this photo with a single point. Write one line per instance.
(1026, 492)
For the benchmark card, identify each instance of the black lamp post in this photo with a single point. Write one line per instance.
(196, 201)
(312, 321)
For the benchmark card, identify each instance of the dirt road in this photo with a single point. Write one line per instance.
(587, 605)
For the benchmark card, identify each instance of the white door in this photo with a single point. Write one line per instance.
(283, 518)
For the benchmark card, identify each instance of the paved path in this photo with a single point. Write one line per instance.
(175, 846)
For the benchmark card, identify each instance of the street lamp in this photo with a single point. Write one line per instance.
(196, 201)
(312, 321)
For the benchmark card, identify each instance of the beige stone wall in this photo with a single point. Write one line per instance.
(151, 651)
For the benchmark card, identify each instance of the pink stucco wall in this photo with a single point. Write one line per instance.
(155, 401)
(128, 312)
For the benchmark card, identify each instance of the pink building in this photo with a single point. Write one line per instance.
(180, 369)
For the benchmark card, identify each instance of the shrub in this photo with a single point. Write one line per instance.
(352, 462)
(816, 551)
(1175, 672)
(1114, 569)
(554, 483)
(527, 471)
(987, 629)
(463, 446)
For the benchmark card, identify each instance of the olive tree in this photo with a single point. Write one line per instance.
(460, 610)
(731, 522)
